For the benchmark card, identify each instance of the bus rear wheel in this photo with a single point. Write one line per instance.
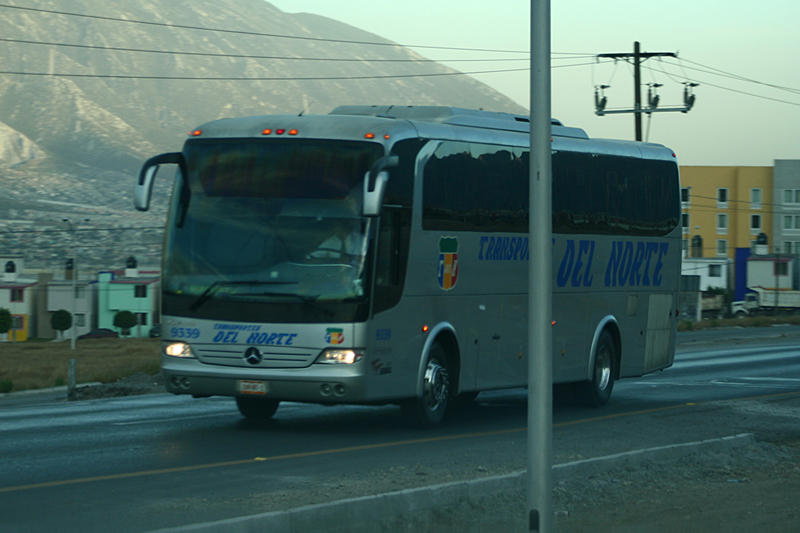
(597, 391)
(257, 408)
(429, 409)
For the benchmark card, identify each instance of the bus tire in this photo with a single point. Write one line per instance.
(429, 409)
(597, 391)
(257, 408)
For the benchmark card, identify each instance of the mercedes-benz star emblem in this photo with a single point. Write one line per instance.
(253, 356)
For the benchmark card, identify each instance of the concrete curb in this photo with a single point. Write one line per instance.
(377, 512)
(50, 390)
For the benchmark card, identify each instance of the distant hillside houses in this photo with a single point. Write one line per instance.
(93, 301)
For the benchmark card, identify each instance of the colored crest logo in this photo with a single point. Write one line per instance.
(334, 336)
(448, 262)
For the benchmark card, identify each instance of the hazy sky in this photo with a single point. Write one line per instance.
(754, 40)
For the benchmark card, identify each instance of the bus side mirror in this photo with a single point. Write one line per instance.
(375, 184)
(373, 199)
(147, 176)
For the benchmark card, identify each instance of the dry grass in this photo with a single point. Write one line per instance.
(40, 364)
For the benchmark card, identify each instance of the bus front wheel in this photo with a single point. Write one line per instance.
(597, 391)
(429, 409)
(257, 408)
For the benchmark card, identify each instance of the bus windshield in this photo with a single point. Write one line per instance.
(274, 222)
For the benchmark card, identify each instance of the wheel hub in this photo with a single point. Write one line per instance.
(436, 386)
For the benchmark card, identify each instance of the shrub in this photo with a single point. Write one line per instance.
(5, 320)
(61, 320)
(124, 320)
(6, 385)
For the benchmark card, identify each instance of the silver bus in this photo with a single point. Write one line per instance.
(378, 254)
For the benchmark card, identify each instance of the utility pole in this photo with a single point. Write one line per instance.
(636, 58)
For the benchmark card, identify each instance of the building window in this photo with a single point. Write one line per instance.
(714, 271)
(685, 222)
(791, 196)
(685, 196)
(755, 223)
(722, 223)
(141, 319)
(791, 222)
(781, 269)
(722, 247)
(685, 246)
(140, 291)
(755, 198)
(790, 247)
(80, 292)
(80, 320)
(17, 322)
(17, 295)
(722, 198)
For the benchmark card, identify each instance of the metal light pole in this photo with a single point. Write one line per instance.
(540, 280)
(74, 333)
(74, 283)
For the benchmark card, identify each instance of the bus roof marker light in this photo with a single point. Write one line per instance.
(292, 131)
(280, 131)
(387, 136)
(195, 133)
(266, 131)
(369, 135)
(425, 328)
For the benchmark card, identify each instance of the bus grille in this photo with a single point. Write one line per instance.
(270, 356)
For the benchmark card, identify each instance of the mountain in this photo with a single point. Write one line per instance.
(70, 146)
(114, 123)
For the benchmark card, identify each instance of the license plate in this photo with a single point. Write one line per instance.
(252, 387)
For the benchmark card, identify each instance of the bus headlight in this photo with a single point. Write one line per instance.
(334, 356)
(178, 349)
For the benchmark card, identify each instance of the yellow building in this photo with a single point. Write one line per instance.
(725, 208)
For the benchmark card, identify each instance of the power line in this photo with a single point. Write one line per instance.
(729, 89)
(249, 56)
(261, 78)
(258, 34)
(718, 72)
(570, 56)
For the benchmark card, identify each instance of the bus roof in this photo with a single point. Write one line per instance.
(456, 116)
(448, 122)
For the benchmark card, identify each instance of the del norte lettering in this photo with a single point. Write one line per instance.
(229, 334)
(630, 263)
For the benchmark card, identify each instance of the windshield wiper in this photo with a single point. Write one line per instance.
(209, 292)
(302, 297)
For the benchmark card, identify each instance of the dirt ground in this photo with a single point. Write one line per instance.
(756, 491)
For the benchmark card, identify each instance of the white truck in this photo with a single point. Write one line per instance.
(763, 300)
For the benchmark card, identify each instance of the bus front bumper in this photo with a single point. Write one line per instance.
(318, 383)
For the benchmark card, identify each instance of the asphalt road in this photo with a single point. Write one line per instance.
(145, 462)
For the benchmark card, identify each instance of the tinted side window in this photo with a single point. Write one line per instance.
(604, 194)
(476, 187)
